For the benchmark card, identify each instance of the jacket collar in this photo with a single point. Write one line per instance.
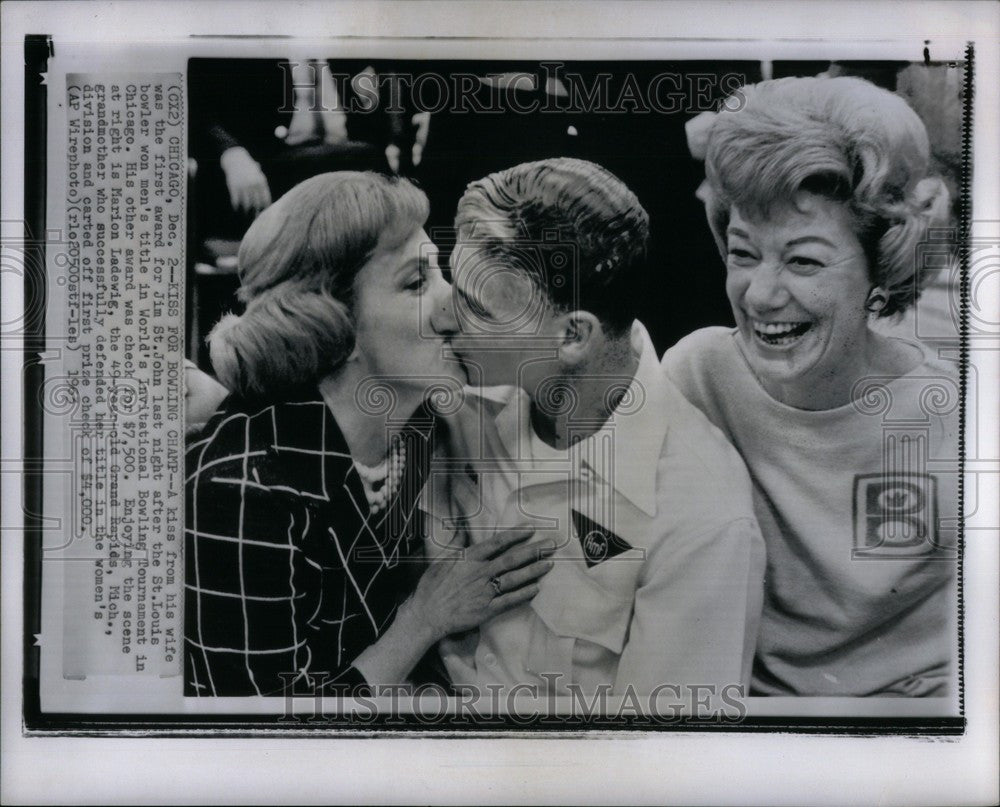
(637, 429)
(308, 438)
(313, 450)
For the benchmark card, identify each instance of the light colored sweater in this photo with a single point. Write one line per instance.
(858, 508)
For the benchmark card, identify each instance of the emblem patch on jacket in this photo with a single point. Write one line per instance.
(598, 542)
(896, 516)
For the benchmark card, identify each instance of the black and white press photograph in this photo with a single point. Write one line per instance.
(474, 376)
(630, 402)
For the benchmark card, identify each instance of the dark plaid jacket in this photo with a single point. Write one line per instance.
(288, 576)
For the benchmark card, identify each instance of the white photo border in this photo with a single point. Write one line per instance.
(686, 778)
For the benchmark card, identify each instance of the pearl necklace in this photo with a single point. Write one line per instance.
(381, 482)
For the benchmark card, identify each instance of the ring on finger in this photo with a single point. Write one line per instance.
(497, 586)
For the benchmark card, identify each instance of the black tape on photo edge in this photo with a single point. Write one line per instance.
(38, 49)
(965, 233)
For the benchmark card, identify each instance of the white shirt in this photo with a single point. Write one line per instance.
(659, 494)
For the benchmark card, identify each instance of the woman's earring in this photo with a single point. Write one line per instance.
(876, 301)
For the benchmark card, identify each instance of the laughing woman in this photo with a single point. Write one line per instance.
(819, 198)
(301, 493)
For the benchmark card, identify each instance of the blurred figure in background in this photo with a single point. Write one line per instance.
(260, 126)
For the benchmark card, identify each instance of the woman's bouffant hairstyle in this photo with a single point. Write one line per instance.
(843, 138)
(297, 264)
(572, 226)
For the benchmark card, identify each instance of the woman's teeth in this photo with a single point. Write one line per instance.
(780, 333)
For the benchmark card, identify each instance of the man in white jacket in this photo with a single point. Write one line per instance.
(657, 584)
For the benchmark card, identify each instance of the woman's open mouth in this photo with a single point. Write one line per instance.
(779, 334)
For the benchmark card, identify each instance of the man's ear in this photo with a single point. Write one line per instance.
(579, 332)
